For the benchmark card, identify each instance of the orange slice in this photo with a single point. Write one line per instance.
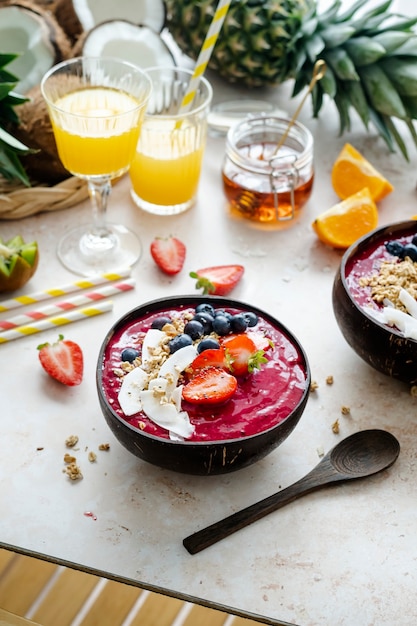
(352, 172)
(344, 223)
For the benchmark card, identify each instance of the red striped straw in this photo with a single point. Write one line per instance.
(66, 305)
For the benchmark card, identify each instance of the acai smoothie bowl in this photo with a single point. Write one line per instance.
(201, 384)
(374, 299)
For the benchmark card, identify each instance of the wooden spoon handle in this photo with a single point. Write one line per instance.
(219, 530)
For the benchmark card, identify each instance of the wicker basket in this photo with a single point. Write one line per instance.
(18, 201)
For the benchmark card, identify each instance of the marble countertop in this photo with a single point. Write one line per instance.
(344, 555)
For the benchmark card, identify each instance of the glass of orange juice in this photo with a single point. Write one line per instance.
(166, 169)
(96, 106)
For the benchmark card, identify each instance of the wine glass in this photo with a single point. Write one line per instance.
(96, 106)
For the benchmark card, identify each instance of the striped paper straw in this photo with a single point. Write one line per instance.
(56, 292)
(205, 53)
(67, 305)
(55, 322)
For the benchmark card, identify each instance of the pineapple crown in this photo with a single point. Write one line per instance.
(371, 55)
(371, 64)
(10, 148)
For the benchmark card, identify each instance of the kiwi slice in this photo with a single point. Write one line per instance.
(18, 262)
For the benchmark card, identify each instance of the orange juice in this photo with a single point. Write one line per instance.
(96, 130)
(168, 180)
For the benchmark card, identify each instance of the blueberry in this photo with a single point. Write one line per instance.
(205, 307)
(414, 240)
(159, 322)
(410, 250)
(223, 313)
(194, 329)
(238, 323)
(395, 247)
(251, 318)
(208, 344)
(206, 320)
(179, 341)
(221, 325)
(129, 354)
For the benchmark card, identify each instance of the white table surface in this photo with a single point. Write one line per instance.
(345, 555)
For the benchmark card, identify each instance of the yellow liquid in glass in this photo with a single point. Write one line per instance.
(166, 181)
(96, 131)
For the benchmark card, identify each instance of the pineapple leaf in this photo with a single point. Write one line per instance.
(409, 48)
(341, 64)
(328, 83)
(391, 40)
(10, 165)
(351, 12)
(314, 47)
(343, 110)
(328, 16)
(410, 105)
(5, 89)
(378, 121)
(8, 139)
(357, 98)
(381, 92)
(364, 50)
(397, 136)
(403, 75)
(336, 35)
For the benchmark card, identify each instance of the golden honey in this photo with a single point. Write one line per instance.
(264, 181)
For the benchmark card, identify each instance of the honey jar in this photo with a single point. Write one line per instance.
(268, 169)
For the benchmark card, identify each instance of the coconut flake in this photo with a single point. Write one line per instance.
(165, 414)
(138, 44)
(129, 395)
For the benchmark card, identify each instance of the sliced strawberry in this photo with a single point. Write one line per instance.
(63, 361)
(242, 355)
(218, 280)
(260, 340)
(168, 254)
(211, 385)
(209, 358)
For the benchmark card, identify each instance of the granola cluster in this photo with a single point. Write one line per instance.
(390, 279)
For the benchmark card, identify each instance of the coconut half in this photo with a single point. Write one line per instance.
(138, 44)
(78, 16)
(34, 34)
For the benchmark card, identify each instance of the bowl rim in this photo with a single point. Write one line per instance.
(189, 300)
(361, 244)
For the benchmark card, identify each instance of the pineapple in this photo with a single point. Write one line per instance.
(371, 55)
(10, 148)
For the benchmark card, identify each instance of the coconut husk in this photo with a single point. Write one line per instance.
(35, 131)
(68, 19)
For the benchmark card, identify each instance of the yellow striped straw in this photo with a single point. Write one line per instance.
(55, 322)
(205, 53)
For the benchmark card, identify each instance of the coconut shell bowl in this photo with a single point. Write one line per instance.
(377, 320)
(265, 407)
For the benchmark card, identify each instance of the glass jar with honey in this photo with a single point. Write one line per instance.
(268, 169)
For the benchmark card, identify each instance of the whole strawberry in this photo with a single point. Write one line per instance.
(63, 360)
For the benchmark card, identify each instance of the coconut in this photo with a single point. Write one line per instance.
(33, 33)
(78, 16)
(35, 131)
(138, 44)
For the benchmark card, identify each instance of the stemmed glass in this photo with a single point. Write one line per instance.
(96, 106)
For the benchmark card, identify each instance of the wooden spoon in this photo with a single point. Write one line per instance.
(362, 454)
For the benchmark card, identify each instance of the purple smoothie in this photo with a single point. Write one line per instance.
(262, 399)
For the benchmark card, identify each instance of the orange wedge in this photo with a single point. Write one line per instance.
(352, 172)
(344, 223)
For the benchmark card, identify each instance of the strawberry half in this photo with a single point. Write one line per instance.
(242, 355)
(211, 385)
(209, 358)
(63, 361)
(218, 280)
(168, 254)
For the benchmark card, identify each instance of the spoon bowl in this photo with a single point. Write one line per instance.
(362, 454)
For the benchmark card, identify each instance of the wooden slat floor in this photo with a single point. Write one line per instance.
(52, 595)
